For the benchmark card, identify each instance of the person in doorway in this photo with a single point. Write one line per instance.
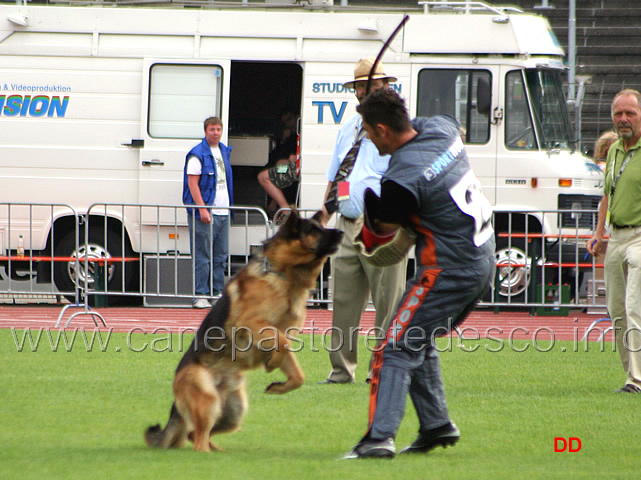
(620, 210)
(353, 278)
(431, 189)
(282, 171)
(208, 186)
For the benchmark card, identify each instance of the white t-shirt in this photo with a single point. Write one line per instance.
(194, 167)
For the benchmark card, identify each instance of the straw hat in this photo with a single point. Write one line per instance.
(362, 69)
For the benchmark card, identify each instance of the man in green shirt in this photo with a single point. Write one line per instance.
(620, 211)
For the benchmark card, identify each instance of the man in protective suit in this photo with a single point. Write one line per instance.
(430, 190)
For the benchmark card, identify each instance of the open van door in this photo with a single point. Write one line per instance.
(177, 97)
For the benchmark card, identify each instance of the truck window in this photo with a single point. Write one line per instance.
(455, 92)
(181, 97)
(550, 107)
(519, 132)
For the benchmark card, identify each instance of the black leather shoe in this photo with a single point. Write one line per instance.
(446, 435)
(373, 449)
(629, 388)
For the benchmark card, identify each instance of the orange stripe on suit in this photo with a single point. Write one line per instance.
(404, 315)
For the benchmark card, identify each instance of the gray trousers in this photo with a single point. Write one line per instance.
(353, 278)
(408, 361)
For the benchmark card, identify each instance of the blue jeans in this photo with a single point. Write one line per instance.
(209, 245)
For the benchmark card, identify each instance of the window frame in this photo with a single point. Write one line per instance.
(192, 125)
(468, 101)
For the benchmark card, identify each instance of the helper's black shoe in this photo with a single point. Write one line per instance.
(373, 449)
(629, 388)
(446, 435)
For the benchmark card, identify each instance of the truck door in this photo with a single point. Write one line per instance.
(466, 94)
(177, 97)
(518, 149)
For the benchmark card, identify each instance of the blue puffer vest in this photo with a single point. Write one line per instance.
(209, 175)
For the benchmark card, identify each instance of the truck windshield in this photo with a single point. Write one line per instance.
(549, 108)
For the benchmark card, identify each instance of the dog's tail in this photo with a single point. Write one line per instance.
(154, 436)
(172, 436)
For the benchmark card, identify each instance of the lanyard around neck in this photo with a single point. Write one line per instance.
(615, 180)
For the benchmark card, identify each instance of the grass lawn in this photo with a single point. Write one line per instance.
(81, 415)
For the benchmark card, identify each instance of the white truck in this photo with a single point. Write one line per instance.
(101, 104)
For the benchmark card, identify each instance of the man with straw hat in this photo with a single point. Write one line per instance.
(353, 277)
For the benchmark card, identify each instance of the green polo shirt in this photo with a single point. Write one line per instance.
(625, 205)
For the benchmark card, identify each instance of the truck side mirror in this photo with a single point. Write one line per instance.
(483, 95)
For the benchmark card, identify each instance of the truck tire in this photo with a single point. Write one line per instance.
(512, 281)
(69, 275)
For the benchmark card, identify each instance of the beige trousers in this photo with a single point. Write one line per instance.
(623, 294)
(353, 279)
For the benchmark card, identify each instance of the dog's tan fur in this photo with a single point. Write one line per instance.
(262, 307)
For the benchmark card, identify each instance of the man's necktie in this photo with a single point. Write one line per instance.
(331, 204)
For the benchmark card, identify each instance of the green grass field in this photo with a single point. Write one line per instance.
(81, 415)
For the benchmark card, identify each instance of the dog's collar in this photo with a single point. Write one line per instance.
(267, 268)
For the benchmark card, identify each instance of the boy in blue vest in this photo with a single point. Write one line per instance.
(208, 184)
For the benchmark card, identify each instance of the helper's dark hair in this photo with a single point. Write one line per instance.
(387, 107)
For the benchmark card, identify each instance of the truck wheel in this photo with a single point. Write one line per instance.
(513, 269)
(69, 275)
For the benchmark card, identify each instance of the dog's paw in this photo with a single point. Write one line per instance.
(276, 388)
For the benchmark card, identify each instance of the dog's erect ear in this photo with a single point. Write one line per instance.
(290, 227)
(317, 216)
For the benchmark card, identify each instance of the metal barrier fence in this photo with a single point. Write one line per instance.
(32, 241)
(542, 262)
(122, 253)
(38, 249)
(117, 254)
(162, 271)
(147, 250)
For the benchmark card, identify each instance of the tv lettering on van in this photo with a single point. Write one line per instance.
(336, 112)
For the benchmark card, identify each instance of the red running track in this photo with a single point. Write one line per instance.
(480, 324)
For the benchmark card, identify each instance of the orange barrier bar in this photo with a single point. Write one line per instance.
(39, 258)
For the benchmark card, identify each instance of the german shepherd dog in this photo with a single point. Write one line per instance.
(247, 328)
